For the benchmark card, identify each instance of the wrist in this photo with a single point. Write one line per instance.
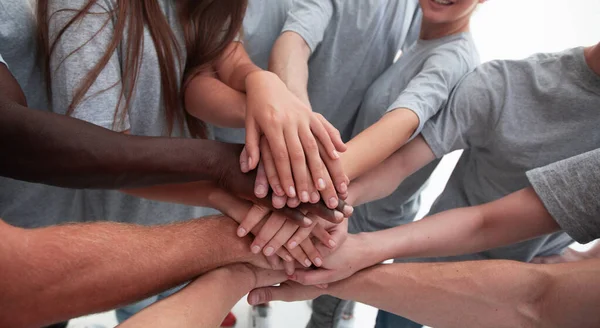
(241, 274)
(254, 77)
(369, 254)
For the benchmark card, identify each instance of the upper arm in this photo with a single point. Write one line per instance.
(470, 114)
(430, 89)
(309, 19)
(79, 51)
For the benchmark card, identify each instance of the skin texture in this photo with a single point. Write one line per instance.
(460, 294)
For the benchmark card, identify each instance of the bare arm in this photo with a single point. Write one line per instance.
(383, 179)
(192, 308)
(469, 294)
(85, 268)
(289, 60)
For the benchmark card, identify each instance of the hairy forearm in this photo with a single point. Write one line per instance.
(390, 133)
(77, 154)
(289, 60)
(462, 294)
(466, 230)
(203, 303)
(212, 101)
(85, 268)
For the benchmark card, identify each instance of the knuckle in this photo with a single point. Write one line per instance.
(280, 155)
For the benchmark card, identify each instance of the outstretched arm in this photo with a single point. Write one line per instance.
(106, 265)
(468, 294)
(77, 154)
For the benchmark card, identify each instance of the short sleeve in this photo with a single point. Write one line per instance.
(569, 190)
(471, 112)
(429, 90)
(76, 54)
(309, 18)
(2, 61)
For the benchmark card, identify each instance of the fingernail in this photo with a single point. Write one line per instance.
(336, 154)
(279, 191)
(305, 198)
(269, 251)
(307, 221)
(348, 209)
(338, 215)
(293, 245)
(332, 243)
(249, 161)
(288, 258)
(252, 299)
(333, 202)
(241, 232)
(259, 190)
(314, 197)
(318, 262)
(307, 263)
(321, 184)
(255, 249)
(343, 187)
(292, 191)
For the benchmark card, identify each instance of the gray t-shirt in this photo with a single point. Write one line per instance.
(25, 204)
(421, 80)
(352, 43)
(569, 189)
(146, 115)
(511, 117)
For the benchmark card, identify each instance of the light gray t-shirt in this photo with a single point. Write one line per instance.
(146, 115)
(569, 190)
(421, 80)
(25, 204)
(510, 117)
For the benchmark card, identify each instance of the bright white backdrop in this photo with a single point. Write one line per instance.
(503, 29)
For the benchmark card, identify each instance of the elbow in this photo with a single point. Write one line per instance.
(531, 310)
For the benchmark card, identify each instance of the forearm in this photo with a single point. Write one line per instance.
(467, 230)
(212, 101)
(384, 178)
(289, 60)
(456, 294)
(234, 66)
(105, 265)
(203, 303)
(190, 194)
(77, 154)
(390, 133)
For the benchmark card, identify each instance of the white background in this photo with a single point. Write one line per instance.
(503, 29)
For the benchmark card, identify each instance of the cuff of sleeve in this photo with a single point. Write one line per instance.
(544, 190)
(433, 141)
(304, 33)
(409, 107)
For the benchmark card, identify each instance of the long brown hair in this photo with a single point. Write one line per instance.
(208, 26)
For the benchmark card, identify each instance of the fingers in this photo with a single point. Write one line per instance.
(261, 184)
(244, 161)
(319, 131)
(323, 236)
(311, 251)
(334, 134)
(314, 277)
(267, 232)
(252, 144)
(287, 292)
(256, 214)
(324, 212)
(270, 169)
(282, 161)
(313, 157)
(280, 238)
(300, 235)
(298, 162)
(278, 201)
(299, 255)
(336, 172)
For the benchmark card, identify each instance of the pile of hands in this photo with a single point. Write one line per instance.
(291, 172)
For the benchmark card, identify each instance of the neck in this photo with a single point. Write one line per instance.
(430, 31)
(592, 57)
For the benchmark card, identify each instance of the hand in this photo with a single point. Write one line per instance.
(241, 185)
(569, 255)
(258, 277)
(325, 186)
(288, 292)
(270, 108)
(349, 258)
